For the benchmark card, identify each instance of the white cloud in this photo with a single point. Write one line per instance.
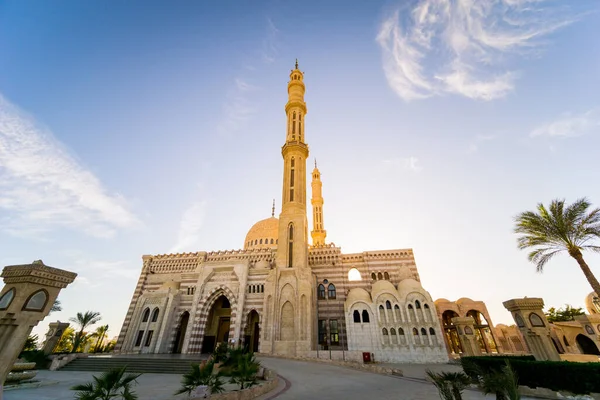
(477, 140)
(570, 125)
(42, 186)
(190, 227)
(465, 47)
(408, 163)
(269, 45)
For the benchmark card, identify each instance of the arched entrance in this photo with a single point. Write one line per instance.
(180, 336)
(451, 333)
(252, 332)
(587, 345)
(483, 332)
(217, 324)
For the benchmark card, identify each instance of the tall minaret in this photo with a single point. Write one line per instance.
(292, 250)
(318, 233)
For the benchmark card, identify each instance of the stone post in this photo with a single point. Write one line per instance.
(27, 297)
(55, 331)
(466, 334)
(531, 321)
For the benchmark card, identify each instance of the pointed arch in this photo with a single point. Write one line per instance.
(146, 315)
(154, 315)
(286, 330)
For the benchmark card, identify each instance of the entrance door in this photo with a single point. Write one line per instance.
(180, 337)
(223, 332)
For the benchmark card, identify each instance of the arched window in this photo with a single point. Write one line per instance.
(415, 332)
(249, 288)
(386, 276)
(37, 301)
(431, 331)
(260, 242)
(425, 306)
(417, 304)
(400, 331)
(7, 298)
(262, 288)
(410, 307)
(385, 331)
(146, 315)
(356, 316)
(388, 305)
(423, 332)
(373, 276)
(255, 242)
(321, 292)
(294, 123)
(331, 291)
(290, 245)
(354, 275)
(292, 174)
(155, 315)
(365, 316)
(379, 276)
(271, 241)
(253, 289)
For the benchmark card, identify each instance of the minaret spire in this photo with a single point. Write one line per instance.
(293, 224)
(273, 209)
(318, 233)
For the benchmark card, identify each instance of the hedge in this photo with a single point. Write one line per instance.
(574, 377)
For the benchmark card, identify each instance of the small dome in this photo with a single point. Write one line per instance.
(407, 286)
(589, 304)
(263, 235)
(358, 294)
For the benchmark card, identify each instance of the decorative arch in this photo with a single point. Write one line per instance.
(7, 298)
(354, 275)
(201, 316)
(287, 329)
(154, 315)
(146, 315)
(36, 301)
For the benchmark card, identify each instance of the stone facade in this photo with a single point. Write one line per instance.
(281, 294)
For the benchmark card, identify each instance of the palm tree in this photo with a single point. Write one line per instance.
(100, 334)
(84, 320)
(559, 228)
(111, 384)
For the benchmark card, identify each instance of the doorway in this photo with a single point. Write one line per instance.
(252, 332)
(218, 325)
(586, 345)
(180, 336)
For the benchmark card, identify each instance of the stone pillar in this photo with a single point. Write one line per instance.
(55, 331)
(26, 299)
(531, 321)
(466, 334)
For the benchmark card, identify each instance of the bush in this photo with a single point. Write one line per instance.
(37, 356)
(577, 378)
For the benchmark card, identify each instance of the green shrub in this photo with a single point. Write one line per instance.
(40, 359)
(577, 378)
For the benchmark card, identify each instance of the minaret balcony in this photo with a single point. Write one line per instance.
(295, 146)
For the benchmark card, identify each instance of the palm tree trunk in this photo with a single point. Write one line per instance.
(586, 271)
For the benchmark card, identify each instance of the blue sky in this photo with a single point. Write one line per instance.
(131, 128)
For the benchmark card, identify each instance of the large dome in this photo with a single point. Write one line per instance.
(263, 235)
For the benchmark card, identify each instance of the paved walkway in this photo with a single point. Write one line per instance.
(309, 380)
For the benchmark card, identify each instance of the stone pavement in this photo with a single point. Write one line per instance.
(149, 387)
(308, 381)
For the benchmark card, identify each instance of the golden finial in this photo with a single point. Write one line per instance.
(296, 63)
(273, 209)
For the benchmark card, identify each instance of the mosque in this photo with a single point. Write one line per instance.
(292, 298)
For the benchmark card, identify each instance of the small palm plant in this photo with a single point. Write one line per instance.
(112, 384)
(201, 376)
(502, 382)
(450, 385)
(244, 371)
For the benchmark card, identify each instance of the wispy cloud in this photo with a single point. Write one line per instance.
(238, 107)
(477, 140)
(43, 187)
(190, 227)
(408, 163)
(270, 47)
(95, 273)
(569, 125)
(465, 47)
